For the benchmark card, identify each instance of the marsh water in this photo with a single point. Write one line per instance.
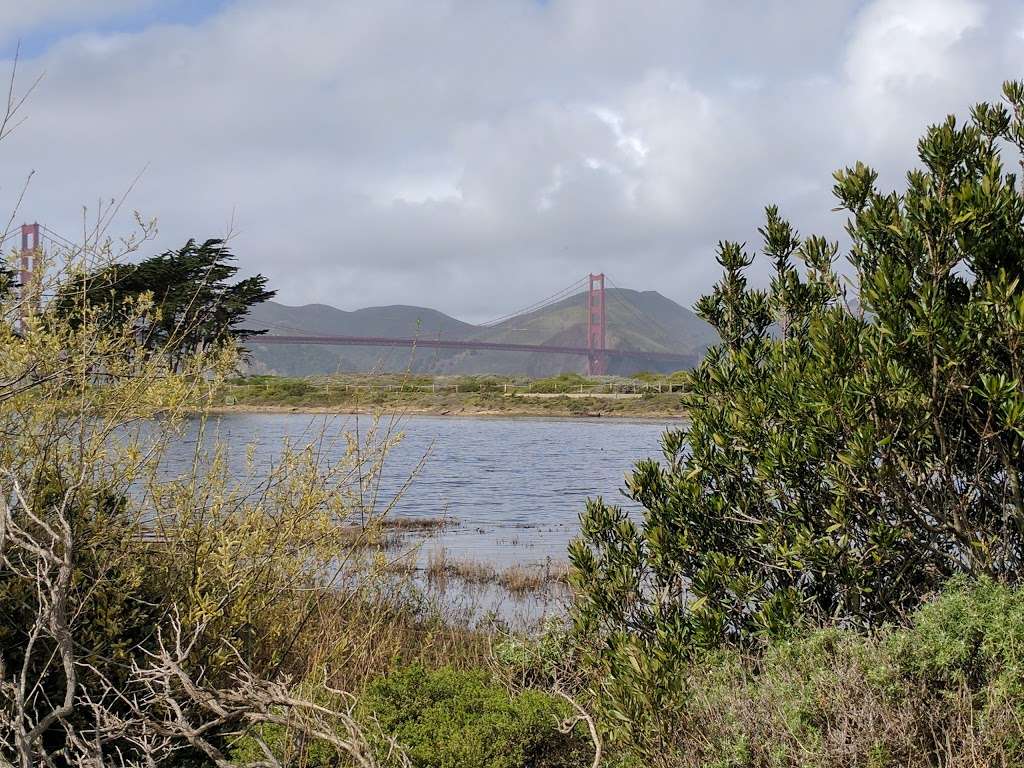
(512, 488)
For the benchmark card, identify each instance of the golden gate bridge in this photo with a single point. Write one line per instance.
(596, 350)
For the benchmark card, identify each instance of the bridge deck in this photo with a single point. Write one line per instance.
(386, 341)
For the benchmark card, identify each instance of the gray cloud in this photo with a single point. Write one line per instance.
(474, 156)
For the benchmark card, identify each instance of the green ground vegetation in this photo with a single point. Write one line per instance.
(944, 687)
(564, 395)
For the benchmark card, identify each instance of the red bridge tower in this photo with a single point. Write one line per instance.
(597, 359)
(29, 257)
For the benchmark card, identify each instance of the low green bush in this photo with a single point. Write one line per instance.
(648, 376)
(452, 719)
(290, 387)
(269, 387)
(539, 660)
(442, 718)
(947, 690)
(563, 382)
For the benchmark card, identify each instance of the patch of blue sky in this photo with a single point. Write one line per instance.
(37, 40)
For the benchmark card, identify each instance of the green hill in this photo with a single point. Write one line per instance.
(641, 320)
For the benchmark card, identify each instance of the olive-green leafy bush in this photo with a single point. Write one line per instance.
(846, 453)
(851, 445)
(452, 719)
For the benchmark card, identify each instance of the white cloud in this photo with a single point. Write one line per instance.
(910, 53)
(476, 154)
(632, 142)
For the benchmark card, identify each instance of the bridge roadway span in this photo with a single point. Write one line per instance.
(383, 341)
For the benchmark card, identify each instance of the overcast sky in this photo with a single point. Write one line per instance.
(475, 155)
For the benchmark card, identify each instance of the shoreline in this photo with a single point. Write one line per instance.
(464, 411)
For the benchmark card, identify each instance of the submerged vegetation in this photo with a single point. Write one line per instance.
(515, 579)
(826, 570)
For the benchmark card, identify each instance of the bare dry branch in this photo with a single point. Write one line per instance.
(581, 716)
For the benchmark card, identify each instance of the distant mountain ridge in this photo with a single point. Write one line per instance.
(640, 320)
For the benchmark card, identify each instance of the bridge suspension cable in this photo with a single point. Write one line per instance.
(637, 313)
(569, 290)
(57, 238)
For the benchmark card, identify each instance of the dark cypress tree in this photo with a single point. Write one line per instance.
(8, 281)
(197, 304)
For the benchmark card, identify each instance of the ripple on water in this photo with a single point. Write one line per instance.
(513, 487)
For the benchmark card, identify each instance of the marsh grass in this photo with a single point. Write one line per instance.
(391, 533)
(358, 635)
(523, 579)
(517, 580)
